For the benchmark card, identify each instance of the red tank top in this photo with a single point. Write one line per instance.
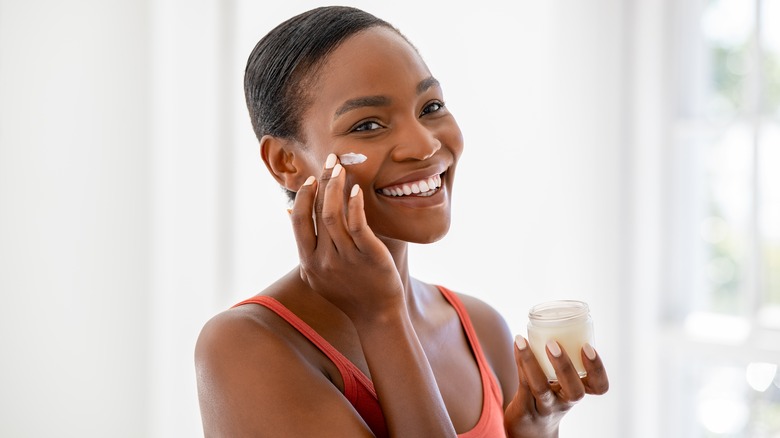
(360, 392)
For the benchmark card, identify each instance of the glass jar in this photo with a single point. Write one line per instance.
(566, 321)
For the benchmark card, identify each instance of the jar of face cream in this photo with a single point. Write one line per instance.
(567, 322)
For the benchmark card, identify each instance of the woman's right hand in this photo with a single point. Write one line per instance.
(342, 259)
(345, 262)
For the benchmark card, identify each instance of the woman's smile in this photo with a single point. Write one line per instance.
(420, 188)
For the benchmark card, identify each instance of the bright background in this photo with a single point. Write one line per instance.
(134, 205)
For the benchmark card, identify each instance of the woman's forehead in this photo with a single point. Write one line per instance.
(372, 62)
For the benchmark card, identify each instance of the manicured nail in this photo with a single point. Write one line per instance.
(590, 353)
(309, 181)
(336, 171)
(520, 342)
(330, 161)
(355, 190)
(554, 348)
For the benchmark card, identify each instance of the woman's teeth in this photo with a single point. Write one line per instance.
(423, 187)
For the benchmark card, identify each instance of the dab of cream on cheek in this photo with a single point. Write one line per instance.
(351, 158)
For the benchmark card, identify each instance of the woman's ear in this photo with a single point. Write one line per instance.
(279, 156)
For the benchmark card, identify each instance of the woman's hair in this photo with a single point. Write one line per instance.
(283, 66)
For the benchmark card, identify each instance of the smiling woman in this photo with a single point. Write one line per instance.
(348, 343)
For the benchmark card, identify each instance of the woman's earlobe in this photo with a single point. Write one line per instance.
(278, 154)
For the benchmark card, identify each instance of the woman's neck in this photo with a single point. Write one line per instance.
(399, 250)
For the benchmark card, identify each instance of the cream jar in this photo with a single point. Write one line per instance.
(566, 321)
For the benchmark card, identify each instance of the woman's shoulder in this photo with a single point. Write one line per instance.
(244, 327)
(236, 330)
(249, 361)
(250, 319)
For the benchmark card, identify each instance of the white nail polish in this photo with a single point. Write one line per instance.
(355, 190)
(590, 353)
(520, 342)
(330, 161)
(336, 171)
(554, 348)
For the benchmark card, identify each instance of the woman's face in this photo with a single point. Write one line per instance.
(375, 96)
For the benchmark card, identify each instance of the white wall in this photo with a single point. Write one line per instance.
(189, 144)
(133, 204)
(74, 218)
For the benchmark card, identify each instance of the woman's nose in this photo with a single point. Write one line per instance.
(415, 142)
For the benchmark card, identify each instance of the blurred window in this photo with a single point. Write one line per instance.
(726, 234)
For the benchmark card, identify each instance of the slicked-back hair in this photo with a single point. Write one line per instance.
(284, 63)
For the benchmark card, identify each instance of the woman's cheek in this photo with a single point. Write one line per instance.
(453, 138)
(361, 168)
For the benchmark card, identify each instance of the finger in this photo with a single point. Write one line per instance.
(536, 381)
(523, 392)
(333, 214)
(572, 389)
(596, 382)
(357, 224)
(300, 216)
(523, 403)
(322, 185)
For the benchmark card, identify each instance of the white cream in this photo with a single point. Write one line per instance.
(567, 322)
(351, 158)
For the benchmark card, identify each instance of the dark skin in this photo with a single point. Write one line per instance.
(257, 376)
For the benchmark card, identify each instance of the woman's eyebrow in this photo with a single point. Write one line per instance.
(360, 102)
(427, 83)
(364, 101)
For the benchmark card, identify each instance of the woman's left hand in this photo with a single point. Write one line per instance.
(539, 405)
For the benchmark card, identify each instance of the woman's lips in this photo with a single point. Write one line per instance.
(422, 187)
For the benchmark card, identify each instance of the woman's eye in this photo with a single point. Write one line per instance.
(432, 108)
(366, 126)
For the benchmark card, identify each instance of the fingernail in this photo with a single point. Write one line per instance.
(355, 190)
(330, 161)
(289, 211)
(590, 353)
(336, 171)
(309, 181)
(554, 348)
(520, 342)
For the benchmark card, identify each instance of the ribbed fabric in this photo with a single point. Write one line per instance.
(360, 392)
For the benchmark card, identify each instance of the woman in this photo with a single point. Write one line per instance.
(348, 344)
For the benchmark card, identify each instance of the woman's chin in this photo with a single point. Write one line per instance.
(432, 237)
(429, 235)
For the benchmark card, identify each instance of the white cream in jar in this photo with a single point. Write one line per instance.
(566, 321)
